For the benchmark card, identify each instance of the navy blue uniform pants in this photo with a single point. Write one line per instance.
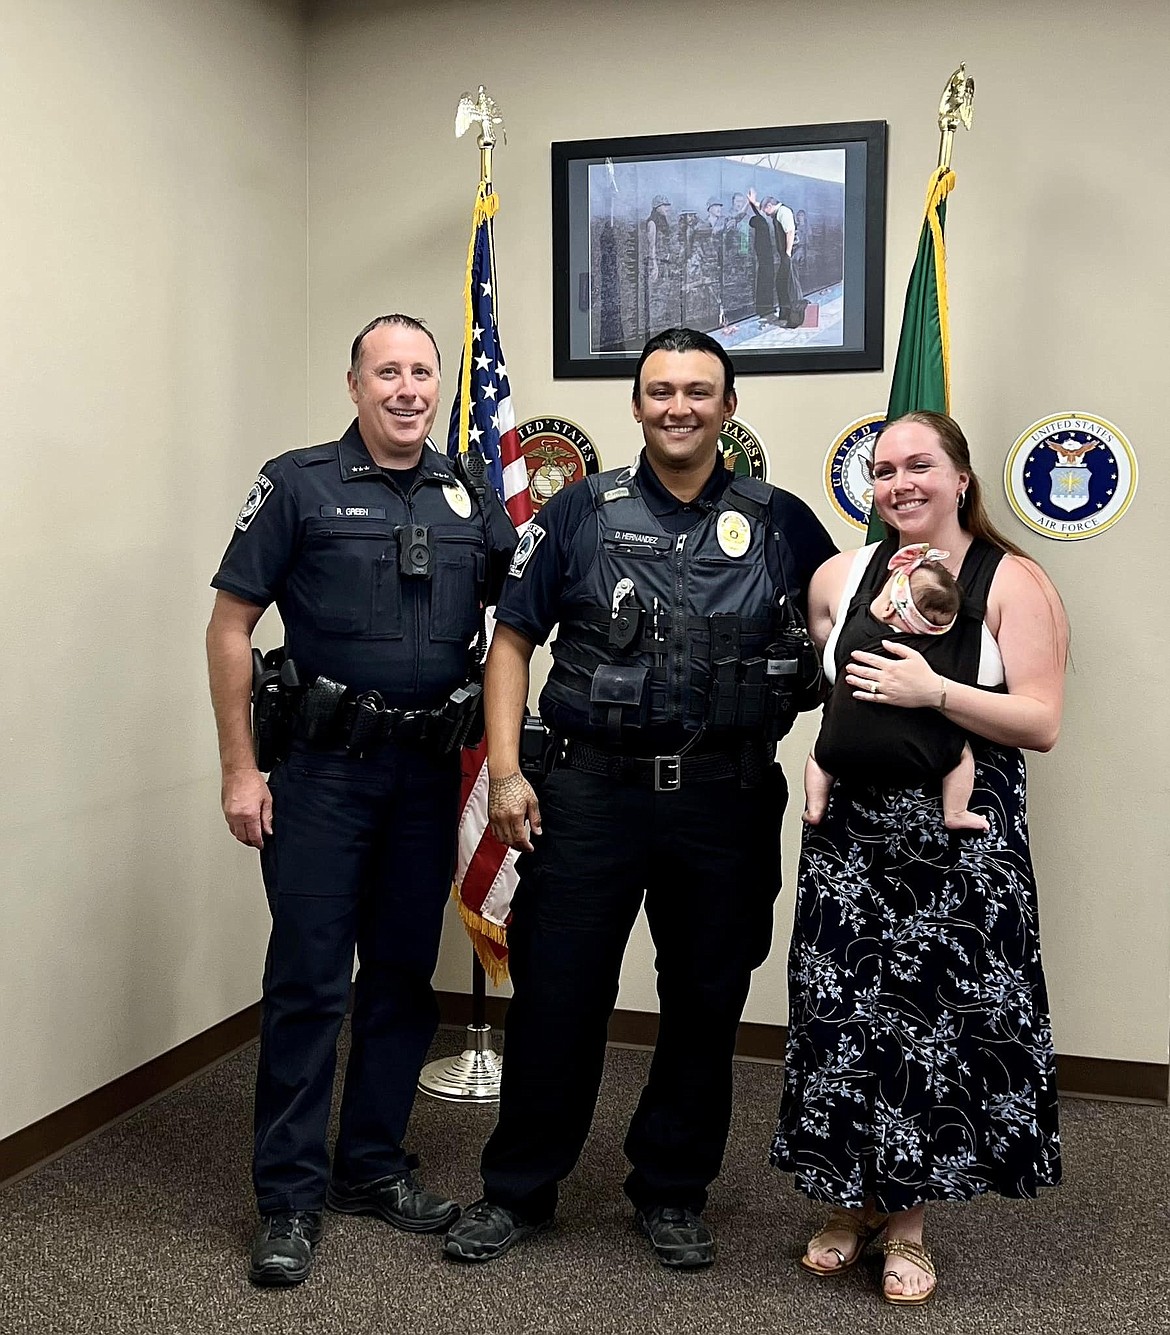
(707, 860)
(361, 855)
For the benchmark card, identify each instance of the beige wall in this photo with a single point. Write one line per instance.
(152, 340)
(1059, 301)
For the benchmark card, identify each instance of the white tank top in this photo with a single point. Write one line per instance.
(990, 661)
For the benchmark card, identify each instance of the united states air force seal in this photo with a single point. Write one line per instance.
(556, 452)
(847, 481)
(742, 451)
(1070, 476)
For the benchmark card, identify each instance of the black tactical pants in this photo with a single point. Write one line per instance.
(707, 859)
(362, 855)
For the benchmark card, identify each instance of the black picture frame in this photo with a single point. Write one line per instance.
(625, 267)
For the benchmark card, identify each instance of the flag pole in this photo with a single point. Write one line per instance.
(921, 378)
(473, 1076)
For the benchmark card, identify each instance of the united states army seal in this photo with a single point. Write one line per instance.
(1070, 476)
(742, 451)
(847, 481)
(556, 452)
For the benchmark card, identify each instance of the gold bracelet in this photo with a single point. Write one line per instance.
(942, 699)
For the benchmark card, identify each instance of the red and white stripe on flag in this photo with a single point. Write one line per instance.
(482, 416)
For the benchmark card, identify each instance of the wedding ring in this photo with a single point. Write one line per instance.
(873, 688)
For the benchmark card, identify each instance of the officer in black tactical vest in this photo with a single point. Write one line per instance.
(680, 660)
(379, 554)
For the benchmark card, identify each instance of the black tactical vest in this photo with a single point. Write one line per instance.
(351, 612)
(665, 628)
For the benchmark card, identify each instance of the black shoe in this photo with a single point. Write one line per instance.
(679, 1237)
(282, 1249)
(487, 1231)
(399, 1200)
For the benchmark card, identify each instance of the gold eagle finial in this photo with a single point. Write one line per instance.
(482, 109)
(957, 104)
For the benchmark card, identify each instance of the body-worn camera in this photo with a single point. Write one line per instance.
(414, 550)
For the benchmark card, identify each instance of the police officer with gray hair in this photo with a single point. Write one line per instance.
(379, 554)
(679, 661)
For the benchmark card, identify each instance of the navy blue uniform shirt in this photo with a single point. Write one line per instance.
(531, 603)
(318, 536)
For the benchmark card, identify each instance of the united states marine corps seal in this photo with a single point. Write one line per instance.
(1070, 476)
(742, 451)
(847, 482)
(556, 452)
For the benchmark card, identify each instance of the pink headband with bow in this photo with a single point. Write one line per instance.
(904, 563)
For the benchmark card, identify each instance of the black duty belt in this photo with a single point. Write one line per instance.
(666, 774)
(328, 715)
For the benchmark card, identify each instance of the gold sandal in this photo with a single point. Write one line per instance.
(864, 1228)
(911, 1251)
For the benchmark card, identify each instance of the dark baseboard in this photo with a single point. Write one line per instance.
(1076, 1077)
(1098, 1078)
(77, 1121)
(20, 1153)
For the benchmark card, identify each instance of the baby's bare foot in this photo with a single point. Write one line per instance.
(965, 820)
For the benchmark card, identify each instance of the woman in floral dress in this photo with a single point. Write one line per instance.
(919, 1064)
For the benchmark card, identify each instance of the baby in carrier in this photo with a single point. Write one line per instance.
(885, 745)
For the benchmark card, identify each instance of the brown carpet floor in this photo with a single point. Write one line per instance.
(144, 1229)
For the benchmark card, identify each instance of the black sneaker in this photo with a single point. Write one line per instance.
(678, 1236)
(399, 1200)
(282, 1248)
(487, 1231)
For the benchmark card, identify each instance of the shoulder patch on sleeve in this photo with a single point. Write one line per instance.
(530, 539)
(261, 490)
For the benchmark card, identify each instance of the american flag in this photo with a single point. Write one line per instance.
(482, 418)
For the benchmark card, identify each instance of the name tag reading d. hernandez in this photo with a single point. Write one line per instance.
(530, 539)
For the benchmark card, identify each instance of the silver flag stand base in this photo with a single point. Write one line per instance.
(472, 1077)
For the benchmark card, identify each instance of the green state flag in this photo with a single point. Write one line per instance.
(922, 370)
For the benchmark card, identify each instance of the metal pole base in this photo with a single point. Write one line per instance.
(472, 1077)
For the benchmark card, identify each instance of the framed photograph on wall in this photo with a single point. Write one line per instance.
(770, 240)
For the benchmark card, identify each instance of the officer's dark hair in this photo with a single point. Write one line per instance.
(685, 340)
(404, 322)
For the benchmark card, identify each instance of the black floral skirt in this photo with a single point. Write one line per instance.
(919, 1064)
